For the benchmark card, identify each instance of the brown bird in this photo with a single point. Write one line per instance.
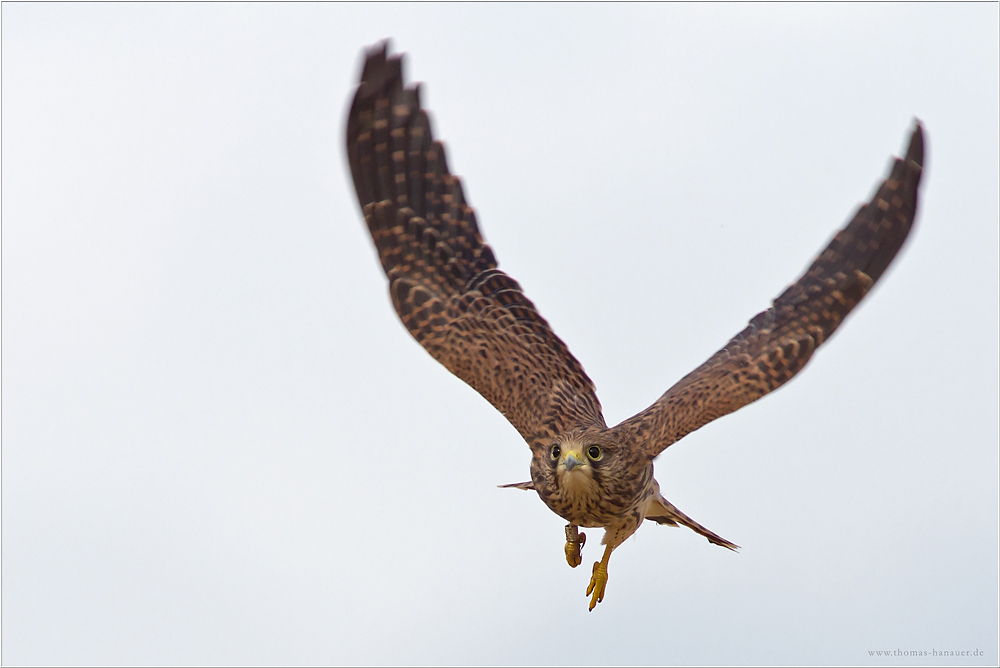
(448, 291)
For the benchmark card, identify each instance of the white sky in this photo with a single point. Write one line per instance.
(220, 446)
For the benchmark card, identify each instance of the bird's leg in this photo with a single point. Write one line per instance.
(599, 580)
(575, 541)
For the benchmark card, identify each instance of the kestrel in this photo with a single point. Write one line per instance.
(474, 319)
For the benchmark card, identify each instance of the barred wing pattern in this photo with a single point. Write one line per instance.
(443, 279)
(779, 341)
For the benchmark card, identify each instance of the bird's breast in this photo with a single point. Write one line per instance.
(581, 500)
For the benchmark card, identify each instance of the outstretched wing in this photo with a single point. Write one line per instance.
(443, 279)
(779, 341)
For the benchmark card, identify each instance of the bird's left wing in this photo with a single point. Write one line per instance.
(778, 342)
(443, 279)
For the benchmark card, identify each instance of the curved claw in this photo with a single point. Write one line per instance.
(574, 544)
(598, 581)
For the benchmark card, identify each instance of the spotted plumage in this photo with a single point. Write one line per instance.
(451, 296)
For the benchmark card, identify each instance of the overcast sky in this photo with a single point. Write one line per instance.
(221, 446)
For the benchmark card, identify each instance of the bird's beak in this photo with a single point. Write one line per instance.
(572, 460)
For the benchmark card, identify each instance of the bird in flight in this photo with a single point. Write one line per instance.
(447, 288)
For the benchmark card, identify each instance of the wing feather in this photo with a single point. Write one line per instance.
(777, 343)
(443, 279)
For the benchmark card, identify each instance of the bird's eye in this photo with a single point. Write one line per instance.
(555, 452)
(594, 452)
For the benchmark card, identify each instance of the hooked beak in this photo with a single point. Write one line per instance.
(572, 460)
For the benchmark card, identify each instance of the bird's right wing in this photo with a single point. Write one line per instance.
(443, 279)
(779, 341)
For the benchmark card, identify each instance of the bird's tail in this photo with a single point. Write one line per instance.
(662, 511)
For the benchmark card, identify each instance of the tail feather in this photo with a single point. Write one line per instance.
(527, 486)
(662, 511)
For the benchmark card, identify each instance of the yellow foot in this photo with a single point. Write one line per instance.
(598, 581)
(574, 543)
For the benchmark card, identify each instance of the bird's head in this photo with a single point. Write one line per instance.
(582, 471)
(575, 461)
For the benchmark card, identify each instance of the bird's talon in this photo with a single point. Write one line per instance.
(574, 544)
(573, 556)
(598, 582)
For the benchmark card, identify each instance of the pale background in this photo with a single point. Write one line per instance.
(220, 446)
